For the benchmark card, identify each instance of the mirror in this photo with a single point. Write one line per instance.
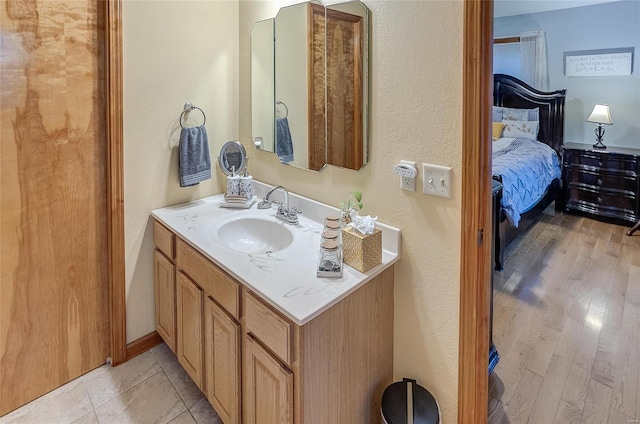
(233, 158)
(320, 98)
(262, 85)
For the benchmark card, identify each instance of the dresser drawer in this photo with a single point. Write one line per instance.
(267, 325)
(601, 161)
(604, 180)
(602, 200)
(214, 281)
(164, 240)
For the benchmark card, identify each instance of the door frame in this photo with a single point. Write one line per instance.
(475, 260)
(115, 182)
(476, 225)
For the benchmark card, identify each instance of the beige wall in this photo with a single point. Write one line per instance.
(178, 51)
(416, 82)
(174, 52)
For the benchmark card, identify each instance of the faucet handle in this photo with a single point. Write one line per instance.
(264, 204)
(288, 215)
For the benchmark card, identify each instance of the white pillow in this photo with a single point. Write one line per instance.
(513, 114)
(521, 129)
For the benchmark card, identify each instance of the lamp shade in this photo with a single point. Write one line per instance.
(600, 115)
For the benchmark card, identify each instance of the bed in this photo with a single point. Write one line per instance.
(514, 154)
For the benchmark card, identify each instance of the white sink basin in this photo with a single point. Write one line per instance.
(254, 235)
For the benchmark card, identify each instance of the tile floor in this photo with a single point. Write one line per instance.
(150, 388)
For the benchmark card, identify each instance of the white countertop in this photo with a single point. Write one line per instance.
(287, 278)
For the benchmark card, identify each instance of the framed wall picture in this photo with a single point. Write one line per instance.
(596, 63)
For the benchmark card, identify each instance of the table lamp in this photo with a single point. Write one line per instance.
(600, 115)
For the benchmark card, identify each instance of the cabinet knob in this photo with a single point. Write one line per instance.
(599, 199)
(599, 181)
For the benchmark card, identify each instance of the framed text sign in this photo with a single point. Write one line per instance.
(595, 63)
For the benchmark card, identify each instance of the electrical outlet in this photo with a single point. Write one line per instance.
(436, 180)
(408, 183)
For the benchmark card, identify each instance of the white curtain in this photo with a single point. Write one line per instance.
(533, 60)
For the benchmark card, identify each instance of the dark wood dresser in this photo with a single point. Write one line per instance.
(604, 184)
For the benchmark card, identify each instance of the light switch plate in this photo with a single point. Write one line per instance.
(436, 180)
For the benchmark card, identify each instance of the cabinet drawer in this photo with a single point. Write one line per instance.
(272, 329)
(164, 240)
(601, 160)
(214, 281)
(605, 180)
(603, 199)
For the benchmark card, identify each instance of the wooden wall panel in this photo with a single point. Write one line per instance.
(54, 284)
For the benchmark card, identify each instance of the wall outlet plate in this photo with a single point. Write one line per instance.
(436, 180)
(408, 183)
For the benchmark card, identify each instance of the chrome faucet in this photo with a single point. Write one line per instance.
(286, 213)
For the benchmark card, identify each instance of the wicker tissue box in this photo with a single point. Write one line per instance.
(361, 251)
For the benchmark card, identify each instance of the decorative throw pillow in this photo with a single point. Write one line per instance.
(497, 130)
(513, 114)
(522, 129)
(497, 114)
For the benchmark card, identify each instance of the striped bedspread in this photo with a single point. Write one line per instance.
(526, 167)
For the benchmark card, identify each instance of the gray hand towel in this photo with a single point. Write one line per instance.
(284, 143)
(194, 159)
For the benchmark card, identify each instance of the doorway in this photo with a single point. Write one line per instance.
(475, 267)
(61, 291)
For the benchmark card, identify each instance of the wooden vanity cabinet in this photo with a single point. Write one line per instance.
(339, 362)
(165, 298)
(268, 386)
(255, 365)
(222, 362)
(165, 285)
(190, 303)
(219, 335)
(268, 359)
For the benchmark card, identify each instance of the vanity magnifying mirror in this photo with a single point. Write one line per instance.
(233, 158)
(319, 109)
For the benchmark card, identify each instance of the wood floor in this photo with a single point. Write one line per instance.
(567, 325)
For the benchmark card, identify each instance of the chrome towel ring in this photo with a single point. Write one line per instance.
(188, 107)
(285, 108)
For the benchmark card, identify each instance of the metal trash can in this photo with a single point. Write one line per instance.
(406, 402)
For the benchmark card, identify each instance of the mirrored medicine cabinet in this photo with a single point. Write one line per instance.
(309, 85)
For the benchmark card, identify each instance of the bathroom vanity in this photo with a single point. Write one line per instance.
(263, 337)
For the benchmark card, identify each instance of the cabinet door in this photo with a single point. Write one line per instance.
(189, 335)
(165, 293)
(268, 387)
(222, 362)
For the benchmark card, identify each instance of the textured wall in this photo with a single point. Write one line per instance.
(174, 52)
(416, 83)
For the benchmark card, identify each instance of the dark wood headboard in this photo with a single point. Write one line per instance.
(509, 91)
